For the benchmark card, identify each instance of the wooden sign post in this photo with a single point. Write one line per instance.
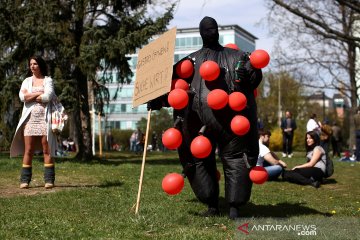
(153, 79)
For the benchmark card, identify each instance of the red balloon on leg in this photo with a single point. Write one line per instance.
(173, 183)
(258, 175)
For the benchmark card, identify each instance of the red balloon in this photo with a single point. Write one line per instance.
(173, 183)
(172, 138)
(200, 147)
(209, 70)
(179, 83)
(184, 69)
(258, 175)
(217, 99)
(259, 58)
(218, 175)
(232, 45)
(255, 92)
(237, 101)
(178, 98)
(240, 125)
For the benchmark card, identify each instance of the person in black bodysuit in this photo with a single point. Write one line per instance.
(238, 153)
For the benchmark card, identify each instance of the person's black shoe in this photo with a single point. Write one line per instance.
(315, 184)
(234, 213)
(211, 212)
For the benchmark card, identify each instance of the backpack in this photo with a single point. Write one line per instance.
(329, 167)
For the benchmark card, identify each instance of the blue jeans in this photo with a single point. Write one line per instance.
(274, 171)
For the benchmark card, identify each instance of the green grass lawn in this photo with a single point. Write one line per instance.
(96, 200)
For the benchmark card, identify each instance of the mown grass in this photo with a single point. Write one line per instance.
(96, 201)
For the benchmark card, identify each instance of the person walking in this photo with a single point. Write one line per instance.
(336, 140)
(288, 126)
(33, 131)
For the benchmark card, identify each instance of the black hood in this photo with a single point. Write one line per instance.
(209, 32)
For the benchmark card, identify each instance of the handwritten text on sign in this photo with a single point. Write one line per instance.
(154, 68)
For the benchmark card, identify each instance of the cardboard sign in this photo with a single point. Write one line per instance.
(154, 68)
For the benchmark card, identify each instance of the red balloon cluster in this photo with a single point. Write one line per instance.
(172, 138)
(184, 69)
(179, 84)
(178, 98)
(200, 147)
(237, 101)
(173, 183)
(258, 175)
(217, 99)
(240, 125)
(259, 58)
(232, 45)
(209, 70)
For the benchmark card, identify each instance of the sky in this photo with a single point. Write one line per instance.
(245, 13)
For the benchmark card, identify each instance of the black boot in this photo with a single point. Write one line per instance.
(234, 213)
(25, 177)
(49, 175)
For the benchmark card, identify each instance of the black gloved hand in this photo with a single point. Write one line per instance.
(155, 104)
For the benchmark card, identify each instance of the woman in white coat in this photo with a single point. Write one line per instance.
(34, 128)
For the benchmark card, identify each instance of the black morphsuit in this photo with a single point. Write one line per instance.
(238, 153)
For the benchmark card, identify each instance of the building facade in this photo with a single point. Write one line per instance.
(120, 114)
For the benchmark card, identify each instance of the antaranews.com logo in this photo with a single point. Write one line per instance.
(298, 229)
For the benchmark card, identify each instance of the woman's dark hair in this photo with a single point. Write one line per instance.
(314, 135)
(42, 65)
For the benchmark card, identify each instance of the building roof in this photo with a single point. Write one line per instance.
(221, 27)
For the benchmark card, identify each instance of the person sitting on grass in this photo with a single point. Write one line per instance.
(272, 164)
(312, 172)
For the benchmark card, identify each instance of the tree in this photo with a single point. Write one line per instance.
(77, 38)
(317, 41)
(291, 93)
(160, 121)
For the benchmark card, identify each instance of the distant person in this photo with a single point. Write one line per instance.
(312, 124)
(357, 133)
(154, 140)
(109, 140)
(312, 172)
(288, 126)
(133, 140)
(32, 132)
(268, 159)
(336, 140)
(140, 141)
(260, 124)
(325, 135)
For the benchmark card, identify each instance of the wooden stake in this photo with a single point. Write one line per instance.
(143, 162)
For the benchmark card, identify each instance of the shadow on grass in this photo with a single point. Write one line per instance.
(107, 184)
(329, 181)
(280, 210)
(158, 158)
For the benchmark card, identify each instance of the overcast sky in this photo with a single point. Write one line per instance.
(245, 13)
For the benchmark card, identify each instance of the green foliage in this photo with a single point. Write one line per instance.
(292, 98)
(122, 137)
(160, 121)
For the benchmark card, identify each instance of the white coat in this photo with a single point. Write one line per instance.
(18, 145)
